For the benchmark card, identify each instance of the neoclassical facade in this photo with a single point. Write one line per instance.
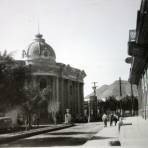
(64, 82)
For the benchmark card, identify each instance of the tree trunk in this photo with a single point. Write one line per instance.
(54, 118)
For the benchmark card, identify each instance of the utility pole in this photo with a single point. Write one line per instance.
(94, 88)
(120, 89)
(94, 102)
(120, 86)
(91, 100)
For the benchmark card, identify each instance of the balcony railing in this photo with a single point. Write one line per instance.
(132, 35)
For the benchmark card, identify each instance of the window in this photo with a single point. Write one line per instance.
(43, 83)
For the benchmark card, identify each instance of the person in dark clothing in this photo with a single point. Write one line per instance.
(111, 119)
(115, 118)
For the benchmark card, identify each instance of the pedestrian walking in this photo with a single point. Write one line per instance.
(111, 119)
(104, 119)
(115, 118)
(120, 123)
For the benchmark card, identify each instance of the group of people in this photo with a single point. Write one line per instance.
(112, 118)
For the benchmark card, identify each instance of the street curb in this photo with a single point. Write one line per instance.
(30, 133)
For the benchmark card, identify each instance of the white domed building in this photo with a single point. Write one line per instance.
(64, 82)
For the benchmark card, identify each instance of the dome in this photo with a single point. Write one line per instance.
(39, 49)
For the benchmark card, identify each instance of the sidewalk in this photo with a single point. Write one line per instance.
(134, 133)
(103, 138)
(23, 134)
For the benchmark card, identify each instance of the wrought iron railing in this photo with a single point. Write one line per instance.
(132, 35)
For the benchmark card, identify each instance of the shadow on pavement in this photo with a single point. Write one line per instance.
(19, 129)
(71, 133)
(101, 138)
(49, 141)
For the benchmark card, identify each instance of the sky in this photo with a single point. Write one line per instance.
(90, 35)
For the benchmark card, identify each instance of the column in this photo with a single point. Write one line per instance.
(74, 99)
(61, 98)
(81, 98)
(65, 91)
(57, 92)
(53, 88)
(69, 96)
(78, 97)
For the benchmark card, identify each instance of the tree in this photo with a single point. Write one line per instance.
(53, 108)
(12, 79)
(111, 103)
(32, 104)
(128, 103)
(52, 105)
(37, 101)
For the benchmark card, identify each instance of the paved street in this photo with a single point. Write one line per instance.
(74, 136)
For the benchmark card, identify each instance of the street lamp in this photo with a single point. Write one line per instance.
(120, 89)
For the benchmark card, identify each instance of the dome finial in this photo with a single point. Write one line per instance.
(38, 27)
(38, 35)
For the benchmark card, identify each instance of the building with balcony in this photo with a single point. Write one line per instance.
(138, 52)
